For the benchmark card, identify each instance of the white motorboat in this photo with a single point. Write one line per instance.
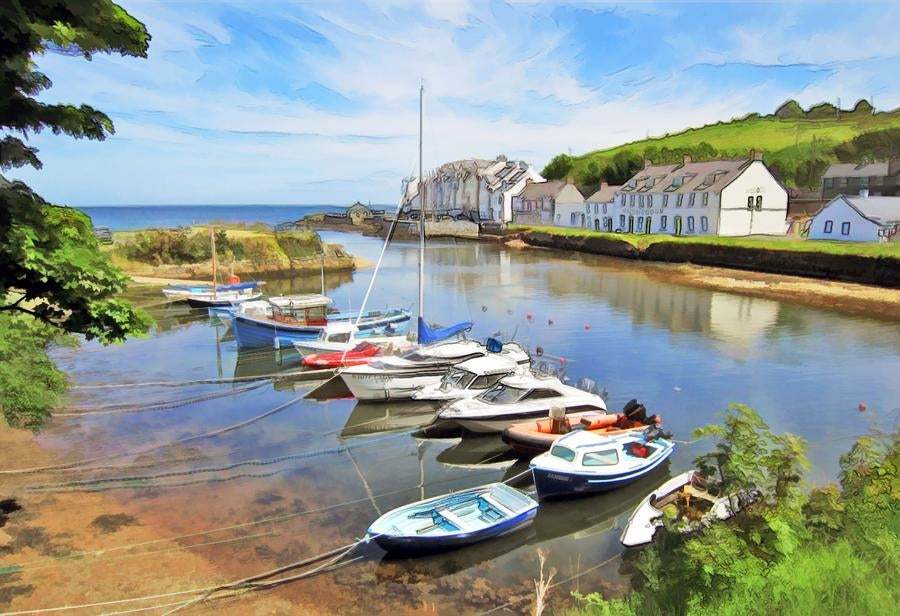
(399, 377)
(470, 378)
(583, 462)
(518, 397)
(343, 336)
(691, 505)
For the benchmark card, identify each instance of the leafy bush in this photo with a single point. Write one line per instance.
(179, 246)
(300, 244)
(558, 167)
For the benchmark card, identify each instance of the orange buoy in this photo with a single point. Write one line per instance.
(862, 407)
(233, 279)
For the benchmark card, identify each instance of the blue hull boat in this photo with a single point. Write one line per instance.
(454, 520)
(583, 462)
(259, 331)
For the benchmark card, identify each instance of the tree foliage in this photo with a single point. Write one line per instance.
(558, 167)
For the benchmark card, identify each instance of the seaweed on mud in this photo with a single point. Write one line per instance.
(292, 552)
(7, 506)
(9, 589)
(267, 497)
(37, 539)
(112, 522)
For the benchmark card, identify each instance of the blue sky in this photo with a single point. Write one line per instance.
(279, 102)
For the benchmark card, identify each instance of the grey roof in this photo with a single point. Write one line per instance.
(854, 170)
(707, 176)
(538, 190)
(605, 194)
(880, 210)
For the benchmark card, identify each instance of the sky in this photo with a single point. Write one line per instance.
(263, 102)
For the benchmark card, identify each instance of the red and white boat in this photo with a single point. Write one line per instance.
(359, 355)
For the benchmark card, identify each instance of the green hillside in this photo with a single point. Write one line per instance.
(798, 145)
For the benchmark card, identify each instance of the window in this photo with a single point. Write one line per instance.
(828, 225)
(662, 223)
(641, 201)
(486, 380)
(704, 223)
(587, 208)
(677, 180)
(665, 200)
(562, 452)
(573, 219)
(649, 200)
(537, 394)
(690, 223)
(640, 222)
(631, 200)
(557, 217)
(842, 181)
(604, 209)
(691, 199)
(678, 200)
(864, 182)
(623, 200)
(758, 203)
(845, 228)
(750, 202)
(607, 457)
(705, 199)
(829, 182)
(622, 221)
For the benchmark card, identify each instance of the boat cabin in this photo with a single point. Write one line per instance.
(300, 309)
(477, 373)
(585, 449)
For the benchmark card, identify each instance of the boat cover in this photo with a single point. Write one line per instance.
(428, 335)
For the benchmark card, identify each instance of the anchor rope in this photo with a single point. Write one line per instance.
(209, 381)
(110, 409)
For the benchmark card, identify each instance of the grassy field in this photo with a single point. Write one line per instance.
(868, 249)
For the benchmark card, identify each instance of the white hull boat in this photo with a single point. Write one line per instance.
(395, 378)
(470, 378)
(690, 503)
(516, 398)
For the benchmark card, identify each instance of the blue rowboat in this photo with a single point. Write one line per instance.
(583, 462)
(454, 520)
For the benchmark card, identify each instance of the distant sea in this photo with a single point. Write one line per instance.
(123, 218)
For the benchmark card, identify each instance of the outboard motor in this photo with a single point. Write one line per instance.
(557, 418)
(635, 411)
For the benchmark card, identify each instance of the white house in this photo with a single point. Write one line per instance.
(598, 206)
(536, 202)
(714, 197)
(569, 207)
(857, 219)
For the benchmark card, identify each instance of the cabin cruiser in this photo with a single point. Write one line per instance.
(399, 377)
(518, 397)
(469, 378)
(343, 336)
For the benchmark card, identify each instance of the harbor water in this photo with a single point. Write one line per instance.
(278, 477)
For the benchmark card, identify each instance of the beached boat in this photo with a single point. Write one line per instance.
(454, 520)
(583, 462)
(516, 398)
(302, 317)
(399, 377)
(691, 506)
(530, 438)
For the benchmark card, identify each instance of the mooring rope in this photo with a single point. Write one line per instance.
(209, 381)
(53, 467)
(110, 409)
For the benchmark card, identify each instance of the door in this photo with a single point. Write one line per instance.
(631, 224)
(609, 224)
(678, 225)
(647, 226)
(596, 224)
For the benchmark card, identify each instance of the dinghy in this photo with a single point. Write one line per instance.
(454, 520)
(582, 462)
(530, 438)
(359, 355)
(688, 500)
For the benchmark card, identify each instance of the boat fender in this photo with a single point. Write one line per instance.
(557, 418)
(233, 279)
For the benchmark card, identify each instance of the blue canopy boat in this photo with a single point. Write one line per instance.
(583, 462)
(454, 520)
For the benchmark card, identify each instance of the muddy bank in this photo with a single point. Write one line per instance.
(880, 271)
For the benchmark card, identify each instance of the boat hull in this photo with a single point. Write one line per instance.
(390, 386)
(496, 423)
(420, 545)
(250, 332)
(557, 483)
(227, 302)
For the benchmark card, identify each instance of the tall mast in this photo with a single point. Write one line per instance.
(212, 245)
(421, 192)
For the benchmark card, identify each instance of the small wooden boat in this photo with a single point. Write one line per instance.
(691, 505)
(530, 438)
(582, 462)
(361, 354)
(454, 520)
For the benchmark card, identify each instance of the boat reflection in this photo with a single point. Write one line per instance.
(483, 451)
(384, 417)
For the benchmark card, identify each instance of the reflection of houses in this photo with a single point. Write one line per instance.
(715, 197)
(536, 203)
(857, 219)
(597, 207)
(480, 190)
(880, 179)
(569, 207)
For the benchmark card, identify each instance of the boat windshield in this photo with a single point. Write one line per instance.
(456, 379)
(562, 452)
(502, 394)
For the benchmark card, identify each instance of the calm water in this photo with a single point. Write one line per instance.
(320, 472)
(121, 218)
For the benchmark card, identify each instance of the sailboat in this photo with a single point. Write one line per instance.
(392, 378)
(214, 296)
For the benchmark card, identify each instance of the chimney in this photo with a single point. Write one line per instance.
(647, 163)
(686, 158)
(864, 193)
(756, 154)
